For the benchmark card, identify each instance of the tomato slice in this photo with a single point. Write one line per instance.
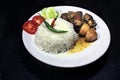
(38, 19)
(30, 27)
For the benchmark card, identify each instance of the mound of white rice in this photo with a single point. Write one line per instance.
(51, 42)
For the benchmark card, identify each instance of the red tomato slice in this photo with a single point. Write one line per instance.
(38, 19)
(30, 27)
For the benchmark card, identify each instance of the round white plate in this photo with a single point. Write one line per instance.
(87, 56)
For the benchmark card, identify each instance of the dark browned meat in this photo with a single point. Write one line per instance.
(89, 19)
(74, 17)
(80, 14)
(92, 23)
(78, 22)
(65, 16)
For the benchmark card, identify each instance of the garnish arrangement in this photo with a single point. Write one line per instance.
(74, 31)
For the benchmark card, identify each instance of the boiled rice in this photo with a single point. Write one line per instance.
(51, 42)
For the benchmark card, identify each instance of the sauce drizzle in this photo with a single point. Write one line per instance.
(80, 45)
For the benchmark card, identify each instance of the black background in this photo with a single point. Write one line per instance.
(17, 64)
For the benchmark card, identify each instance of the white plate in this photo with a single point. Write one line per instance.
(87, 56)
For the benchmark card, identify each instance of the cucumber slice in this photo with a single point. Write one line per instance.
(48, 13)
(51, 13)
(43, 12)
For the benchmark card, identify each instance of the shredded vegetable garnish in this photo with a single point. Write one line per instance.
(53, 29)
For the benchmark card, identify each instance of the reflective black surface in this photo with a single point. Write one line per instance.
(17, 64)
